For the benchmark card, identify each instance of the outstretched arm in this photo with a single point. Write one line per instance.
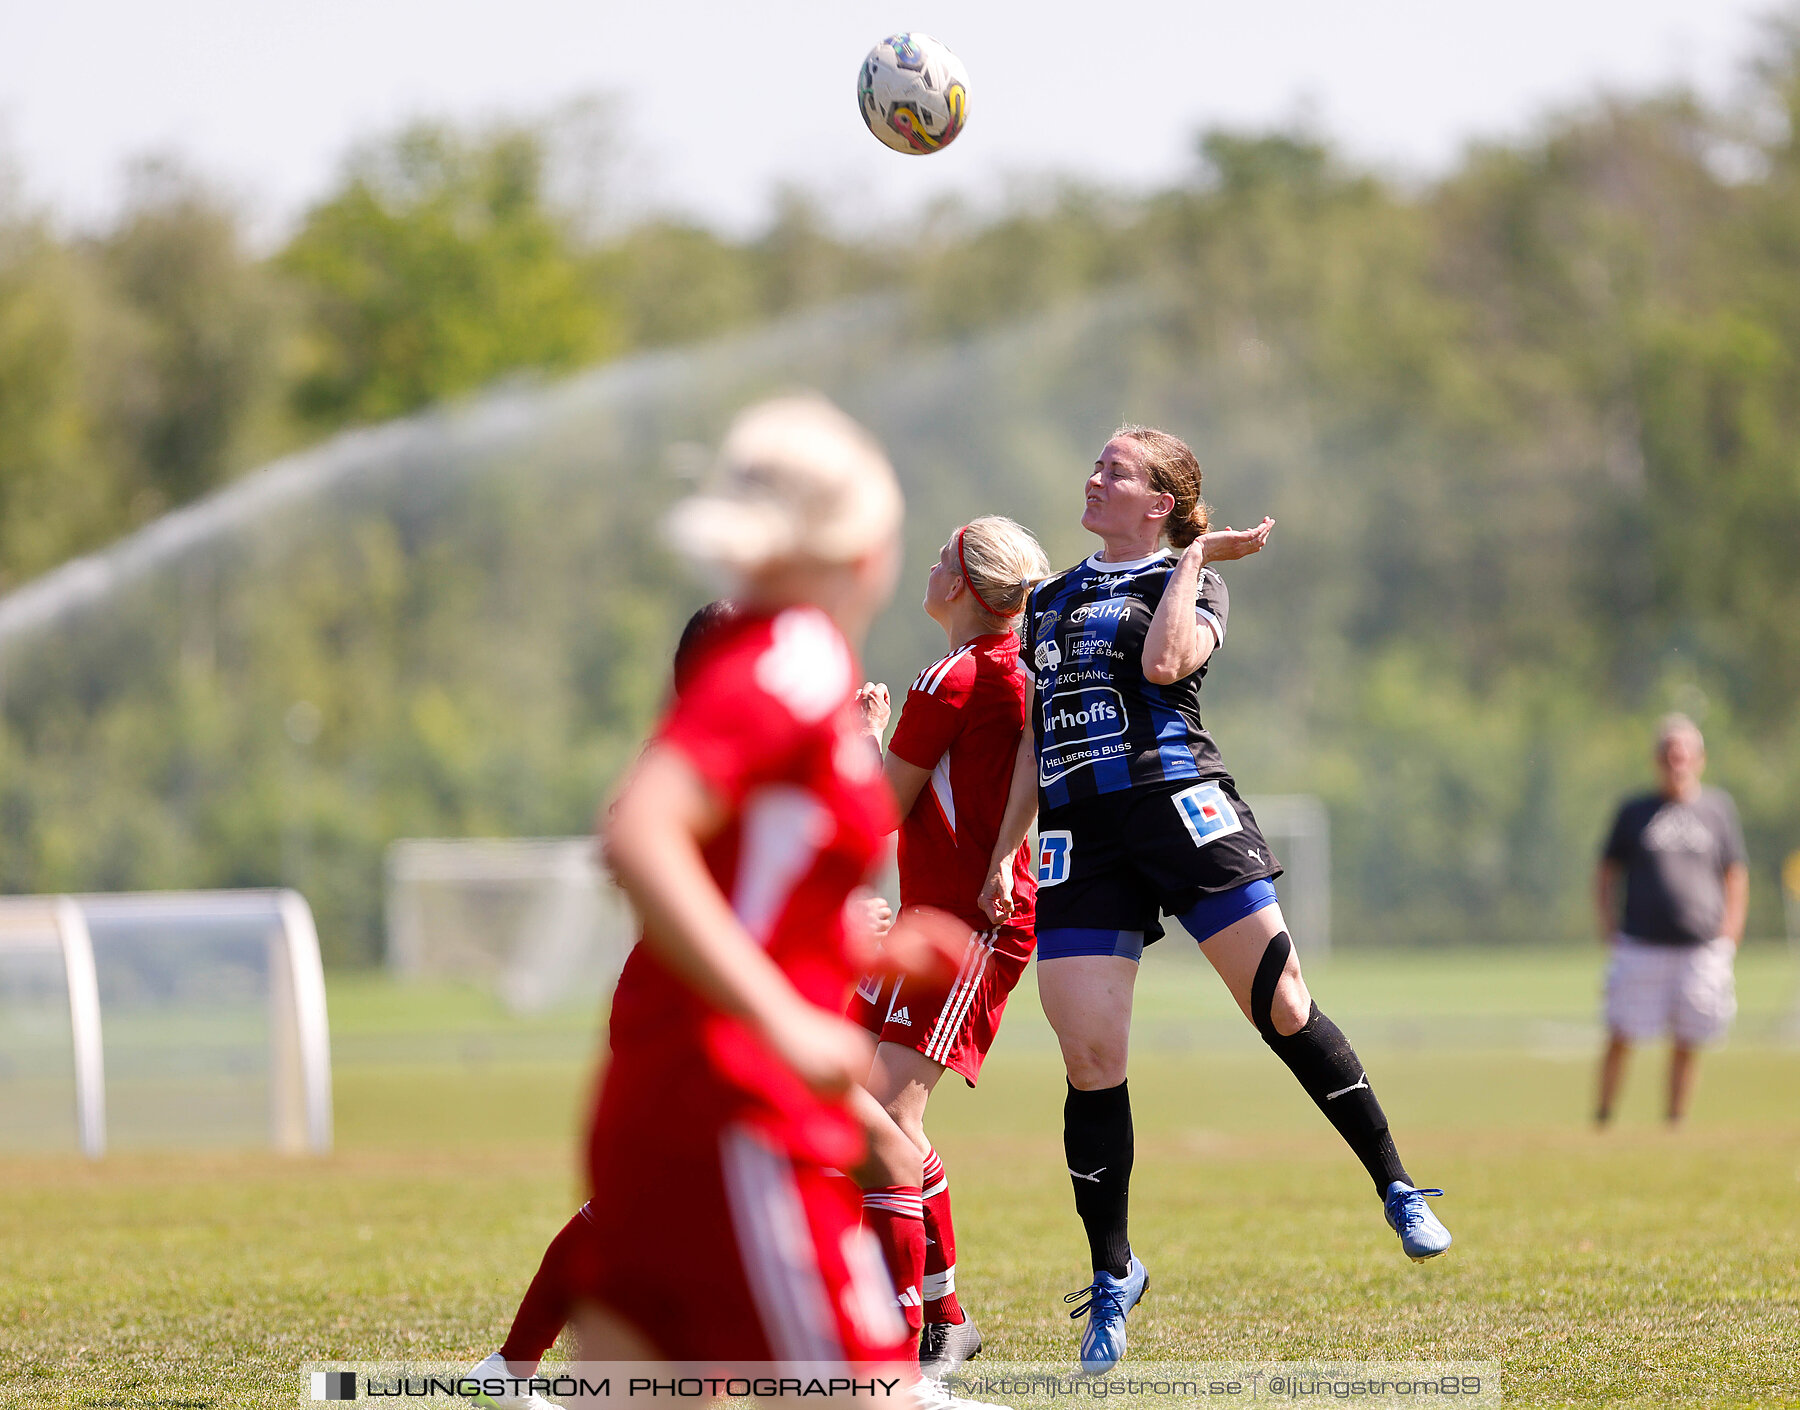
(652, 839)
(1176, 645)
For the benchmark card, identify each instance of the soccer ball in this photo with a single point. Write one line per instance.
(914, 93)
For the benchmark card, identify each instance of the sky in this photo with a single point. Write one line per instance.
(720, 102)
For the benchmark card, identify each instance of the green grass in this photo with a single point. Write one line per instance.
(1639, 1266)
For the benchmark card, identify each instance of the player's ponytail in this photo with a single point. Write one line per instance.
(1000, 561)
(1174, 470)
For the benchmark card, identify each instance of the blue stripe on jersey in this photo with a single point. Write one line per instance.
(1172, 749)
(1156, 725)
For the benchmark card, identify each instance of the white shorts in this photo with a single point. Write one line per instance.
(1658, 990)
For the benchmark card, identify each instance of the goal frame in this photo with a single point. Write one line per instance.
(300, 1098)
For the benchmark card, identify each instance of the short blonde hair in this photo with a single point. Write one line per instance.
(795, 478)
(1673, 724)
(1000, 560)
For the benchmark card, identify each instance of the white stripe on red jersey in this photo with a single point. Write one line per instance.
(783, 829)
(934, 675)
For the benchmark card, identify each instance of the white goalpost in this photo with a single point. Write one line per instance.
(534, 918)
(160, 1019)
(1299, 829)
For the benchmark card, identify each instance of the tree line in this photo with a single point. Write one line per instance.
(1531, 433)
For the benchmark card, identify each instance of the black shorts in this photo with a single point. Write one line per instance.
(1122, 860)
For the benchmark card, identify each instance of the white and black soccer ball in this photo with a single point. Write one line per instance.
(914, 94)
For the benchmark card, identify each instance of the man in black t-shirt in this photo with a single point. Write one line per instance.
(1679, 855)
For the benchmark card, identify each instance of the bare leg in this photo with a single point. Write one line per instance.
(1087, 999)
(893, 1159)
(902, 1080)
(1681, 1080)
(1612, 1072)
(1237, 951)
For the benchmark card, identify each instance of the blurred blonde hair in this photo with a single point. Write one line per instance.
(1000, 560)
(1673, 724)
(795, 479)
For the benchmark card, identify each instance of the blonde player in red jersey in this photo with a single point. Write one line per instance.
(950, 763)
(720, 1236)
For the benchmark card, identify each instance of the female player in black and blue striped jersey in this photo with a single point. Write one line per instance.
(1138, 817)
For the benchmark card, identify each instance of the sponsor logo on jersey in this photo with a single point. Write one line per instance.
(1081, 727)
(1112, 610)
(1054, 850)
(1097, 711)
(1207, 812)
(1049, 656)
(1094, 646)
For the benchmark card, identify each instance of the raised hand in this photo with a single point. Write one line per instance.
(876, 708)
(1220, 544)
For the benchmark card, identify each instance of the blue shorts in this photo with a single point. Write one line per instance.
(1203, 920)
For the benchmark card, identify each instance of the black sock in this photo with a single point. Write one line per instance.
(1322, 1058)
(1098, 1143)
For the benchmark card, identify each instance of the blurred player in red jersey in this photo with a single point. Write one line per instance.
(720, 1238)
(550, 1297)
(894, 1166)
(950, 763)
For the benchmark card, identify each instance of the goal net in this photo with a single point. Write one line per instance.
(1299, 829)
(162, 1019)
(535, 919)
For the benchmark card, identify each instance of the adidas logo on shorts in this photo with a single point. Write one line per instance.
(900, 1015)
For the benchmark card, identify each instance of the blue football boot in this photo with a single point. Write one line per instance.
(1107, 1300)
(1421, 1236)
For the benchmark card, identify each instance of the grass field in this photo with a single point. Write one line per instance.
(1639, 1266)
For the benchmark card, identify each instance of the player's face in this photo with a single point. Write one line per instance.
(943, 573)
(1119, 498)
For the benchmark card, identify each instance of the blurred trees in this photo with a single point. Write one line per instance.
(143, 365)
(436, 268)
(1532, 434)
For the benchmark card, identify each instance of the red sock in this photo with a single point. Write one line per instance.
(894, 1214)
(939, 1286)
(545, 1307)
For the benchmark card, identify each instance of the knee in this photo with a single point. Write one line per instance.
(900, 1158)
(1092, 1066)
(1280, 1005)
(910, 1121)
(1290, 1007)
